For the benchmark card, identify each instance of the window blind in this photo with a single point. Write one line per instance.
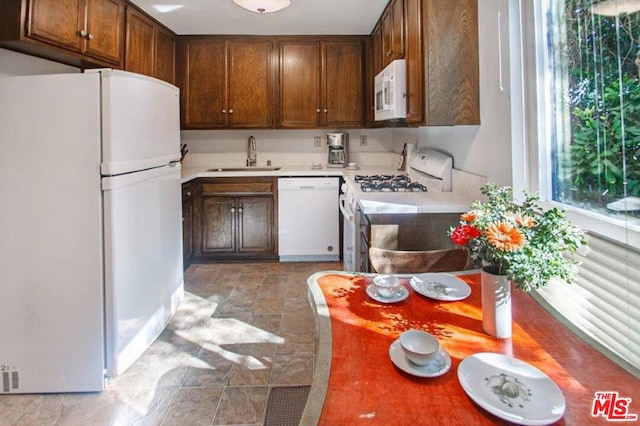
(603, 304)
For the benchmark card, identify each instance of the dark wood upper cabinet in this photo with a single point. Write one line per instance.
(140, 43)
(165, 60)
(440, 47)
(150, 49)
(393, 32)
(249, 82)
(414, 57)
(226, 83)
(343, 84)
(105, 28)
(202, 83)
(77, 32)
(89, 34)
(58, 22)
(376, 49)
(300, 84)
(451, 60)
(321, 83)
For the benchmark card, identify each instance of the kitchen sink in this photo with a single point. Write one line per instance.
(245, 169)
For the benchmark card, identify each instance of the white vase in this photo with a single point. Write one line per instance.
(496, 305)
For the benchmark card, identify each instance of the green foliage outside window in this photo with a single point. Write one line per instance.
(599, 159)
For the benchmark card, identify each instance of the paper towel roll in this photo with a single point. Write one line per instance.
(411, 148)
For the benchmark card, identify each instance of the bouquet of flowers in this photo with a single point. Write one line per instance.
(520, 241)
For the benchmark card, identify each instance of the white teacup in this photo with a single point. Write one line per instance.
(386, 285)
(419, 346)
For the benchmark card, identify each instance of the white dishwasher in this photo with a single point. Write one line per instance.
(308, 214)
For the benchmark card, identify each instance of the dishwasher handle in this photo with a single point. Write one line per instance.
(344, 209)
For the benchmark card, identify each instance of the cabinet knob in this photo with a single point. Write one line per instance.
(89, 36)
(231, 111)
(83, 33)
(224, 111)
(188, 193)
(318, 110)
(233, 209)
(326, 110)
(239, 209)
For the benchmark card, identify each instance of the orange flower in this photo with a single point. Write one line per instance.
(526, 221)
(504, 236)
(468, 217)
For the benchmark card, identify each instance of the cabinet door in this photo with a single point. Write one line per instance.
(343, 84)
(393, 32)
(255, 224)
(249, 80)
(140, 43)
(105, 30)
(415, 62)
(452, 83)
(57, 22)
(187, 223)
(203, 87)
(219, 215)
(165, 61)
(299, 84)
(376, 50)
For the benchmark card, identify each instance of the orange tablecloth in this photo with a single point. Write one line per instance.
(366, 388)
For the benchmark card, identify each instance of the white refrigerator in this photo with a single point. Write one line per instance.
(90, 226)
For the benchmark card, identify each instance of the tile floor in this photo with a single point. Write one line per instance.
(241, 329)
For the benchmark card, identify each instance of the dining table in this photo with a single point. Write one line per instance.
(544, 373)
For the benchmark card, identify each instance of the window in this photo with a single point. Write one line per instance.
(580, 62)
(592, 57)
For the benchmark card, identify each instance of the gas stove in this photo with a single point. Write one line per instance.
(388, 183)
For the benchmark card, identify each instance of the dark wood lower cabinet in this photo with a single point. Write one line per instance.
(187, 224)
(234, 219)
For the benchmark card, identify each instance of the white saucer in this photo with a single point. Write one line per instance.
(440, 364)
(316, 168)
(401, 294)
(353, 168)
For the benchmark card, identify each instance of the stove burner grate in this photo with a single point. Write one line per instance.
(388, 183)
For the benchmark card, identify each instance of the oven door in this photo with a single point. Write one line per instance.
(351, 240)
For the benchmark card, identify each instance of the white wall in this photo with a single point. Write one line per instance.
(13, 63)
(483, 149)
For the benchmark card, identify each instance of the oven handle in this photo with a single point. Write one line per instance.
(348, 215)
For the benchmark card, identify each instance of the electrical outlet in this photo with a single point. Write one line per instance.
(363, 140)
(317, 141)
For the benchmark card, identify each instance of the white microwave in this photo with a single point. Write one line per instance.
(390, 100)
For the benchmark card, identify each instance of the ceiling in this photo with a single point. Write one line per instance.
(315, 17)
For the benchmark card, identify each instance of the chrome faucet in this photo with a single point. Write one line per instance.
(251, 152)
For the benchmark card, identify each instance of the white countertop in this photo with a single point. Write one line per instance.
(413, 202)
(370, 202)
(192, 172)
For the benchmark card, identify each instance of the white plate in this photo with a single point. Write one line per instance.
(440, 286)
(440, 364)
(401, 294)
(511, 389)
